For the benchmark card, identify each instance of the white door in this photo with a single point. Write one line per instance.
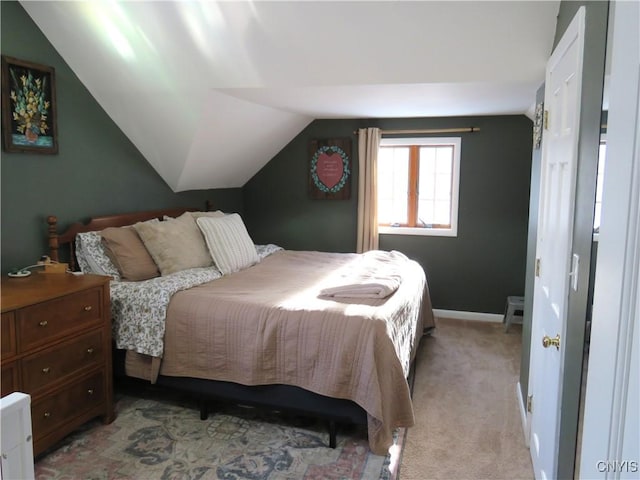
(553, 247)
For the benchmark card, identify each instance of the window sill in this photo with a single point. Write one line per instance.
(425, 232)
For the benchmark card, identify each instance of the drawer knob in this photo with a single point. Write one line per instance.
(90, 391)
(90, 351)
(46, 370)
(43, 323)
(47, 414)
(88, 308)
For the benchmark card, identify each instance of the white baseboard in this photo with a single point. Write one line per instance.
(523, 414)
(477, 316)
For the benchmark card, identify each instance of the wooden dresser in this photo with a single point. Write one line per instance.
(56, 346)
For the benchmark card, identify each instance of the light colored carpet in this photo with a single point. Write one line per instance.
(467, 418)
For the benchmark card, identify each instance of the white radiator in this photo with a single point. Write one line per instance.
(16, 443)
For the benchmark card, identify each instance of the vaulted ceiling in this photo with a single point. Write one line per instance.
(210, 91)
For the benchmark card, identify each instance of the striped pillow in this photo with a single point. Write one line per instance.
(229, 242)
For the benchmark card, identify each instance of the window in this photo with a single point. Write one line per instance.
(599, 182)
(418, 186)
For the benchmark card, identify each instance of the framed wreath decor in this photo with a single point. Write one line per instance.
(330, 169)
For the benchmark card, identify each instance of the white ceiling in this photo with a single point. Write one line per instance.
(210, 91)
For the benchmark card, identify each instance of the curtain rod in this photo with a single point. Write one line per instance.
(428, 130)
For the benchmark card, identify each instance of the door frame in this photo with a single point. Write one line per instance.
(610, 432)
(589, 146)
(573, 35)
(590, 120)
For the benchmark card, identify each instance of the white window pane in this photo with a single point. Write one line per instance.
(600, 178)
(443, 187)
(427, 170)
(425, 212)
(445, 160)
(436, 169)
(599, 182)
(442, 215)
(393, 180)
(428, 154)
(597, 216)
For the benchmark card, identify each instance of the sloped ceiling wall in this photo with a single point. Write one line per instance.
(210, 91)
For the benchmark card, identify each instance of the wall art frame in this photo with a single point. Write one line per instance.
(330, 169)
(29, 108)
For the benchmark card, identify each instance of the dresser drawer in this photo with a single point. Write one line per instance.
(43, 322)
(8, 335)
(53, 411)
(44, 368)
(9, 378)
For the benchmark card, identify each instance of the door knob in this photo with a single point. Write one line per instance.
(547, 341)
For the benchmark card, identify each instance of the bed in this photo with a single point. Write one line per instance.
(288, 330)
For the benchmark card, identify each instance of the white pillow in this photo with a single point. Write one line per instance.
(92, 257)
(229, 242)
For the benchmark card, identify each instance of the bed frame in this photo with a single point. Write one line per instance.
(275, 397)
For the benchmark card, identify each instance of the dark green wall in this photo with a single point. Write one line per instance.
(475, 271)
(277, 205)
(98, 170)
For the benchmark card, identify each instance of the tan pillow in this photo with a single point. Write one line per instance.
(127, 252)
(175, 244)
(214, 214)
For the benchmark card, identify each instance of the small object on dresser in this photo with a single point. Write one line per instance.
(22, 272)
(55, 268)
(44, 264)
(18, 273)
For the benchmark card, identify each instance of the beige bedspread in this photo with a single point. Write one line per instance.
(234, 329)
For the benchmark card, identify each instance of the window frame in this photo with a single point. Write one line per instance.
(602, 159)
(452, 231)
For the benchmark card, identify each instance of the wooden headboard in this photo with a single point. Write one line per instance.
(67, 238)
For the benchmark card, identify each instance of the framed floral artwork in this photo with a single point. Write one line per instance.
(28, 107)
(330, 169)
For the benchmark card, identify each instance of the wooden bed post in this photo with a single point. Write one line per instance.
(53, 237)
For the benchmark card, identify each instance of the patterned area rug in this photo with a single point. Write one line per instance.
(164, 438)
